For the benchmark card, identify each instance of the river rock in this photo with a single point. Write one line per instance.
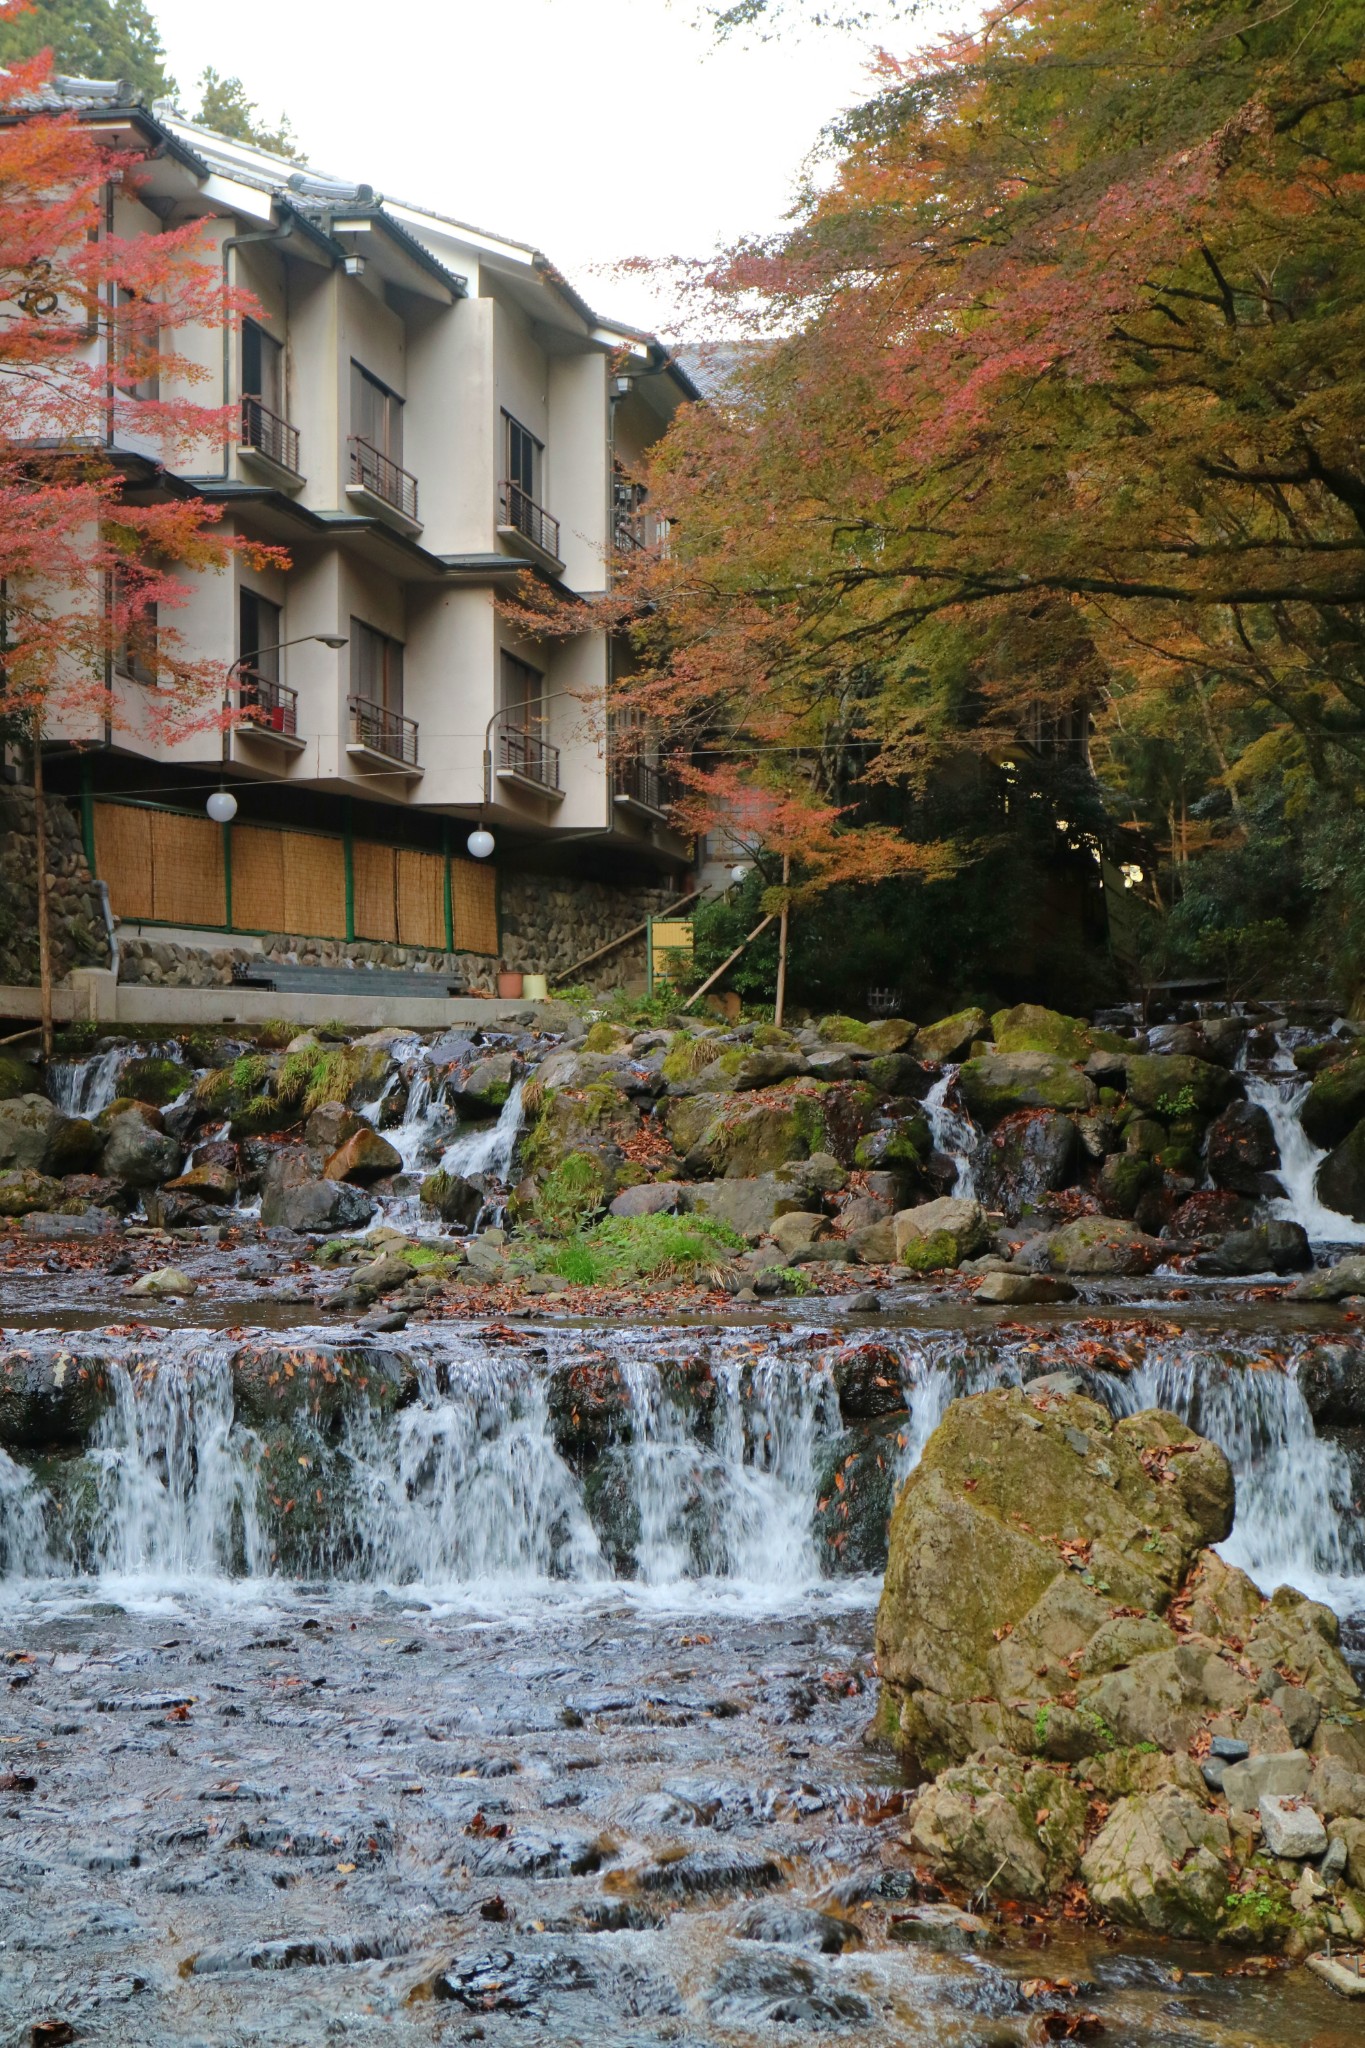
(1240, 1150)
(1008, 1823)
(1332, 1381)
(1030, 1155)
(485, 1087)
(1028, 1027)
(1098, 1245)
(1341, 1176)
(23, 1190)
(952, 1037)
(317, 1205)
(1336, 1283)
(1275, 1247)
(206, 1182)
(137, 1153)
(166, 1280)
(1159, 1863)
(867, 1379)
(51, 1396)
(1290, 1828)
(797, 1229)
(454, 1199)
(17, 1077)
(75, 1146)
(1018, 1290)
(28, 1124)
(997, 1084)
(650, 1198)
(939, 1234)
(363, 1157)
(328, 1128)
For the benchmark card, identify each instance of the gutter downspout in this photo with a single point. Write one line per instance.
(110, 927)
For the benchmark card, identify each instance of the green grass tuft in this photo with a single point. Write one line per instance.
(625, 1248)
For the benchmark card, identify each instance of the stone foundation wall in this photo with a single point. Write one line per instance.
(546, 926)
(79, 938)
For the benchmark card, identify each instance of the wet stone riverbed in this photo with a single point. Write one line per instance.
(300, 1814)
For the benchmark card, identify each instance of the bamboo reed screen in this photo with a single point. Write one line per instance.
(314, 885)
(258, 878)
(375, 891)
(421, 899)
(474, 896)
(188, 872)
(123, 857)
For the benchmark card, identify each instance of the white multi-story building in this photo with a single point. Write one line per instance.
(423, 412)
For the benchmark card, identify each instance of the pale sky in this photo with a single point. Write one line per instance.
(595, 129)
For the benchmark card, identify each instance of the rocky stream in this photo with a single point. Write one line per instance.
(444, 1503)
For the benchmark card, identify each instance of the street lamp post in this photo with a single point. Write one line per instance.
(222, 804)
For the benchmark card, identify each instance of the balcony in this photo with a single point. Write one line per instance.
(268, 711)
(519, 517)
(269, 442)
(635, 529)
(525, 759)
(382, 485)
(382, 736)
(640, 786)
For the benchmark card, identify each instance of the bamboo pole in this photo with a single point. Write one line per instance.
(44, 932)
(712, 979)
(637, 931)
(780, 1004)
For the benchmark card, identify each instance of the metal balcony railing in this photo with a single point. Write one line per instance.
(523, 751)
(639, 782)
(268, 706)
(383, 732)
(271, 436)
(516, 509)
(383, 477)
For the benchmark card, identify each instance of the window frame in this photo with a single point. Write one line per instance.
(515, 434)
(391, 660)
(141, 631)
(391, 414)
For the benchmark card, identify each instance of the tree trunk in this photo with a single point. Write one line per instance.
(780, 1004)
(40, 856)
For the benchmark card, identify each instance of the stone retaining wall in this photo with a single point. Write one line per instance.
(79, 938)
(546, 927)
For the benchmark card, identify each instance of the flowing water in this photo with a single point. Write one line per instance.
(1281, 1093)
(954, 1133)
(85, 1087)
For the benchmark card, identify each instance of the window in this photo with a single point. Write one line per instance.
(523, 694)
(262, 368)
(259, 633)
(376, 414)
(132, 333)
(376, 668)
(524, 454)
(134, 630)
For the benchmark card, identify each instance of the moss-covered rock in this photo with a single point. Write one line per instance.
(154, 1078)
(1160, 1863)
(1103, 1245)
(1341, 1177)
(1030, 1028)
(17, 1077)
(887, 1034)
(951, 1038)
(1013, 1826)
(597, 1120)
(996, 1084)
(22, 1191)
(1335, 1103)
(1125, 1178)
(1173, 1085)
(902, 1146)
(938, 1234)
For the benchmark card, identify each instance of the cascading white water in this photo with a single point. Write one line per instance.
(85, 1087)
(489, 1148)
(1281, 1094)
(24, 1549)
(954, 1134)
(175, 1474)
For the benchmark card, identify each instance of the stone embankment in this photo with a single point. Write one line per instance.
(1102, 1712)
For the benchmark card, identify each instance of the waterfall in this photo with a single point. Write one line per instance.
(1282, 1094)
(85, 1087)
(954, 1134)
(489, 1148)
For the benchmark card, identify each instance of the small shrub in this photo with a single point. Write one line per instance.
(574, 1191)
(624, 1248)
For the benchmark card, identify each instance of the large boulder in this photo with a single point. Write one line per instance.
(977, 1556)
(51, 1396)
(485, 1087)
(1241, 1151)
(750, 1205)
(1030, 1028)
(952, 1037)
(996, 1084)
(22, 1191)
(454, 1199)
(363, 1157)
(316, 1205)
(1172, 1085)
(1275, 1247)
(1332, 1380)
(1341, 1177)
(1335, 1102)
(1030, 1155)
(17, 1077)
(777, 1127)
(28, 1124)
(139, 1154)
(1334, 1283)
(939, 1234)
(886, 1034)
(1006, 1824)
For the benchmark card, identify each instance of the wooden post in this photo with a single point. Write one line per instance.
(40, 856)
(780, 1004)
(712, 979)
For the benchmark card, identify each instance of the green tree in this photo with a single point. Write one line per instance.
(93, 39)
(224, 107)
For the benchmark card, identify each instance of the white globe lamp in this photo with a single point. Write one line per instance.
(222, 807)
(480, 843)
(737, 874)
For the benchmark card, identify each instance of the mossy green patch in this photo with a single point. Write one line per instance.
(155, 1079)
(626, 1248)
(571, 1193)
(932, 1254)
(1028, 1027)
